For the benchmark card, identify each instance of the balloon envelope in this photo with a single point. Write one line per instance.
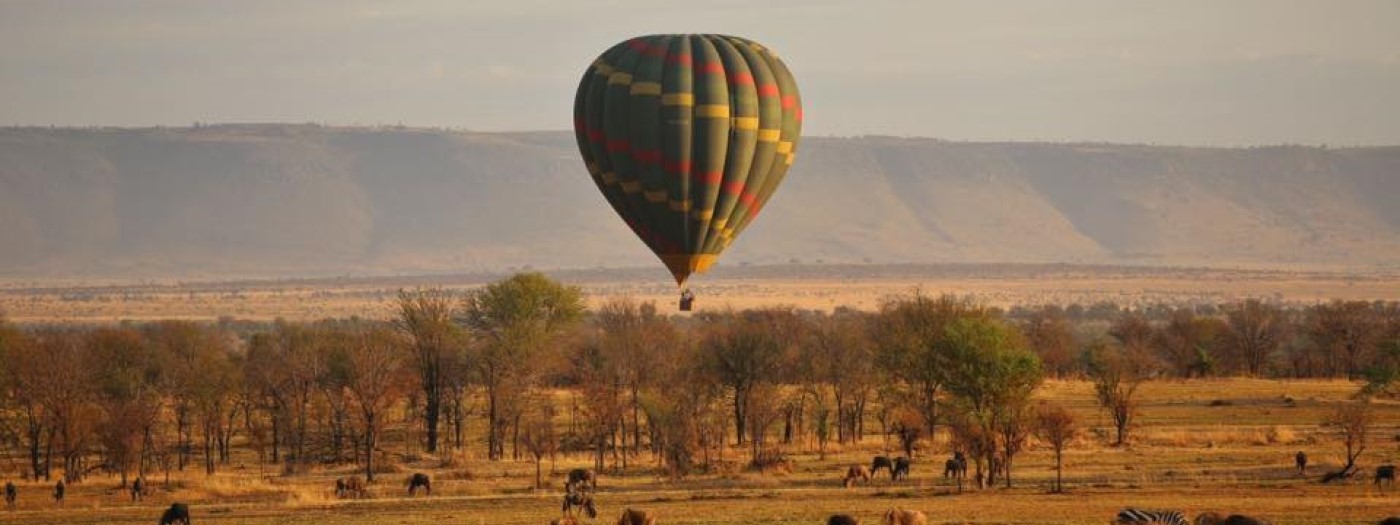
(687, 137)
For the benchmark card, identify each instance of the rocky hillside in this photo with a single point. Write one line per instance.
(278, 200)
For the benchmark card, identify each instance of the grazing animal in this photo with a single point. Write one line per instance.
(1131, 516)
(1301, 460)
(58, 490)
(881, 462)
(10, 494)
(901, 468)
(137, 488)
(956, 466)
(350, 487)
(1393, 520)
(898, 516)
(842, 519)
(636, 517)
(1212, 518)
(178, 513)
(420, 480)
(1385, 473)
(566, 520)
(854, 473)
(582, 477)
(574, 499)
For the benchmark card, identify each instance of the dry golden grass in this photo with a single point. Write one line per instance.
(1235, 456)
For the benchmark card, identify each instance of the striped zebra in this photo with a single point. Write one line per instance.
(1131, 516)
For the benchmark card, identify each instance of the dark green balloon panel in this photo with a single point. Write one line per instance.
(687, 137)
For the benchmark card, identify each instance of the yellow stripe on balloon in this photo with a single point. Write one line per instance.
(769, 135)
(678, 99)
(656, 196)
(619, 79)
(632, 186)
(785, 146)
(680, 206)
(646, 88)
(712, 111)
(609, 177)
(745, 123)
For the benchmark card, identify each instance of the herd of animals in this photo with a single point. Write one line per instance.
(580, 484)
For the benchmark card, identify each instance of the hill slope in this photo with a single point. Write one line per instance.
(270, 200)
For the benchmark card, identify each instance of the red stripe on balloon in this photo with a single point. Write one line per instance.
(683, 60)
(710, 177)
(748, 198)
(647, 156)
(709, 68)
(768, 90)
(637, 45)
(618, 146)
(675, 166)
(789, 102)
(742, 78)
(733, 187)
(594, 134)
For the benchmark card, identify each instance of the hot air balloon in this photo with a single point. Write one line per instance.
(687, 137)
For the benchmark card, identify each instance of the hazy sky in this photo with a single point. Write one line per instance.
(1180, 72)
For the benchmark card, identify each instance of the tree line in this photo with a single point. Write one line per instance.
(522, 370)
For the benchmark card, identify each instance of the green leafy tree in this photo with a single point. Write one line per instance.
(514, 321)
(991, 375)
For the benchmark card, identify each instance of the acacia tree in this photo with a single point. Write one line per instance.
(909, 335)
(24, 369)
(741, 352)
(1117, 373)
(1346, 333)
(1354, 421)
(286, 365)
(370, 365)
(1055, 426)
(633, 342)
(128, 377)
(841, 358)
(514, 321)
(426, 316)
(991, 376)
(1256, 331)
(1189, 343)
(1050, 336)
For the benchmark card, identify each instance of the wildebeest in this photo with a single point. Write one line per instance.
(956, 466)
(1213, 518)
(898, 516)
(1385, 473)
(1393, 520)
(177, 513)
(901, 468)
(566, 520)
(636, 517)
(577, 499)
(10, 494)
(856, 472)
(58, 490)
(419, 480)
(1131, 516)
(582, 477)
(137, 487)
(352, 486)
(842, 519)
(881, 462)
(1301, 460)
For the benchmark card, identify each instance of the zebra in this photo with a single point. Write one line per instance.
(1131, 516)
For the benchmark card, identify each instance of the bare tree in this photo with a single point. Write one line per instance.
(1055, 426)
(1117, 373)
(1346, 333)
(1353, 420)
(1190, 343)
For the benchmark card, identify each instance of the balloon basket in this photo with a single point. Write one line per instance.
(687, 301)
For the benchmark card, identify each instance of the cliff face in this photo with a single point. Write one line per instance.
(273, 200)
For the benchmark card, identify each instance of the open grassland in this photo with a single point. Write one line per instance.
(1201, 445)
(813, 288)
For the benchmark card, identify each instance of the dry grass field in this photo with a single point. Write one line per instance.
(809, 287)
(1201, 445)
